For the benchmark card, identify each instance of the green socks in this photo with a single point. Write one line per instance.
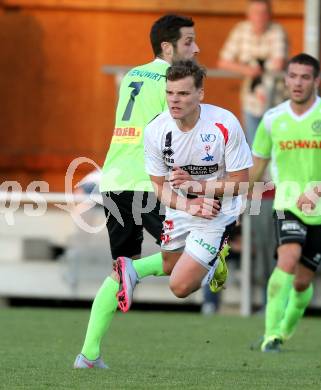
(105, 304)
(298, 302)
(279, 286)
(102, 313)
(150, 265)
(285, 306)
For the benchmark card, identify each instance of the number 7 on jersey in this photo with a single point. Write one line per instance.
(129, 108)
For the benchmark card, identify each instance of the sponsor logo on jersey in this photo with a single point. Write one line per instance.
(169, 160)
(293, 227)
(316, 127)
(200, 170)
(299, 144)
(167, 154)
(208, 137)
(168, 151)
(127, 135)
(208, 157)
(168, 140)
(207, 246)
(146, 74)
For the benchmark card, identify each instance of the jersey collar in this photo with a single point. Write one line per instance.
(307, 113)
(161, 61)
(197, 124)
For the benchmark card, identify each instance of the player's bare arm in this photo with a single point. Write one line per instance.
(183, 180)
(257, 170)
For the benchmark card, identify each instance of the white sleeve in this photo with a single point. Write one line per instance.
(237, 152)
(154, 162)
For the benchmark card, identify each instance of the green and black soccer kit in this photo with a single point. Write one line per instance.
(294, 145)
(129, 199)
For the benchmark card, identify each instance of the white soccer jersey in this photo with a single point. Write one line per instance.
(215, 146)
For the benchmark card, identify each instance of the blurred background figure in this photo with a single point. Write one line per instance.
(287, 136)
(211, 301)
(257, 49)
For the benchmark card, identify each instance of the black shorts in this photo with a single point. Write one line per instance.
(127, 213)
(292, 230)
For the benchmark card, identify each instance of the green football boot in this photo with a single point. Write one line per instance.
(272, 344)
(220, 275)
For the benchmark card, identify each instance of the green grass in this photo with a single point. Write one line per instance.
(148, 350)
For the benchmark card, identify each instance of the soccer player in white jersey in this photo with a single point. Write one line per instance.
(194, 153)
(289, 135)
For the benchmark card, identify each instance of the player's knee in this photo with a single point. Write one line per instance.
(288, 257)
(301, 284)
(180, 290)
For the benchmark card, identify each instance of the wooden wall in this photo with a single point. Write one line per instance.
(56, 104)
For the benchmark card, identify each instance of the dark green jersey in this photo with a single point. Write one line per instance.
(142, 97)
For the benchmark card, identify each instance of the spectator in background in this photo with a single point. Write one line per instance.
(257, 49)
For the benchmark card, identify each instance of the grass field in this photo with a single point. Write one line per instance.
(153, 350)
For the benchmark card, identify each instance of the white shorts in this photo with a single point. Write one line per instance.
(200, 238)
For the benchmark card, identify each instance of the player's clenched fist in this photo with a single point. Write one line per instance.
(179, 176)
(182, 180)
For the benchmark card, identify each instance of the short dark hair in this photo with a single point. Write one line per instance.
(167, 29)
(306, 59)
(181, 69)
